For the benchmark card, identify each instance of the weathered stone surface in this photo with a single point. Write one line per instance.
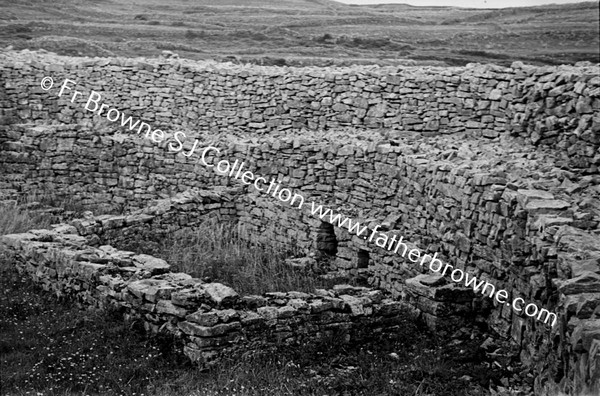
(203, 318)
(587, 282)
(539, 205)
(286, 312)
(152, 264)
(227, 315)
(220, 293)
(167, 307)
(268, 313)
(151, 289)
(188, 297)
(526, 196)
(15, 240)
(298, 304)
(355, 304)
(251, 318)
(584, 334)
(498, 208)
(445, 292)
(205, 331)
(432, 280)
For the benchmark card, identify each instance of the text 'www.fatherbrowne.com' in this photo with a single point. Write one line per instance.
(240, 172)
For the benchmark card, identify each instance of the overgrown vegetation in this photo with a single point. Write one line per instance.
(37, 211)
(220, 252)
(52, 348)
(15, 220)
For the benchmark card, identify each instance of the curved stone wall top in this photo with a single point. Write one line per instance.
(544, 104)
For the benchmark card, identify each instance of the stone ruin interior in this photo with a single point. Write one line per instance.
(494, 168)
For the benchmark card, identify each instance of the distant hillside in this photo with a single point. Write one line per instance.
(301, 32)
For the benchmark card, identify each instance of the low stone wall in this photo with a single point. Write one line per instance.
(444, 306)
(161, 218)
(522, 214)
(73, 260)
(210, 319)
(485, 208)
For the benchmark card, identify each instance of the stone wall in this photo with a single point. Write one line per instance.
(571, 355)
(551, 105)
(470, 202)
(210, 319)
(161, 218)
(522, 213)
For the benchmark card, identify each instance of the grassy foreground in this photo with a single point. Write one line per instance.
(51, 347)
(48, 347)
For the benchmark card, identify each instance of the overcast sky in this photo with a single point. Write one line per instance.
(465, 3)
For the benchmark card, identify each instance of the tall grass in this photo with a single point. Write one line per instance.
(14, 219)
(221, 252)
(40, 209)
(54, 349)
(215, 251)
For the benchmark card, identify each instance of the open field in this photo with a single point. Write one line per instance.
(298, 32)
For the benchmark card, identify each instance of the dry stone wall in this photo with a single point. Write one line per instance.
(73, 260)
(571, 355)
(552, 105)
(160, 219)
(210, 320)
(506, 190)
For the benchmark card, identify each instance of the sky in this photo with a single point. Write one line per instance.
(466, 3)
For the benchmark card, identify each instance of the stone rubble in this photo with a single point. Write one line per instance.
(211, 319)
(494, 168)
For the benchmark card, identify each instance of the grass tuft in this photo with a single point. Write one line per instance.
(14, 219)
(221, 252)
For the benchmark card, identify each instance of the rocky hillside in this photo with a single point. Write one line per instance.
(298, 32)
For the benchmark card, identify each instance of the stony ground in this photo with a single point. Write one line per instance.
(301, 31)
